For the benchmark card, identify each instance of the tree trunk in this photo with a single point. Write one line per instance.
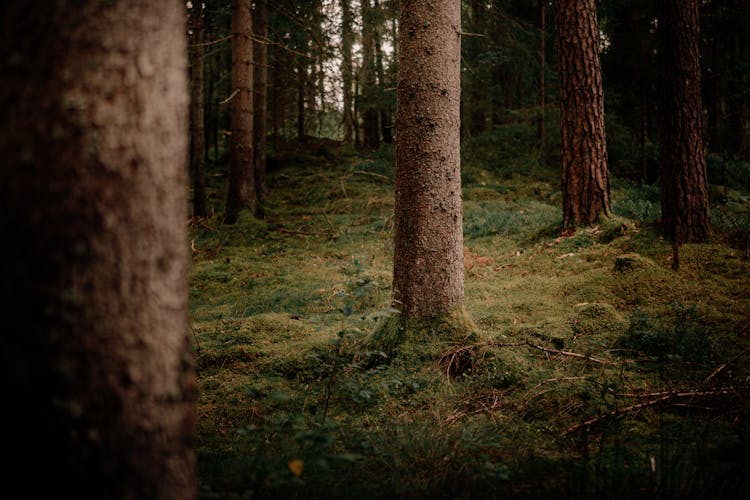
(370, 128)
(96, 353)
(541, 123)
(241, 195)
(301, 85)
(428, 275)
(260, 113)
(347, 37)
(684, 203)
(585, 175)
(385, 116)
(197, 122)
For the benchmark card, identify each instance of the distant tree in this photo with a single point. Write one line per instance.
(260, 82)
(241, 193)
(347, 40)
(96, 366)
(368, 79)
(585, 174)
(197, 120)
(684, 199)
(428, 275)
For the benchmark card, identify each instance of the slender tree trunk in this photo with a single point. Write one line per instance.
(301, 85)
(370, 128)
(347, 37)
(260, 82)
(585, 175)
(385, 116)
(197, 122)
(242, 195)
(428, 275)
(541, 124)
(685, 214)
(96, 357)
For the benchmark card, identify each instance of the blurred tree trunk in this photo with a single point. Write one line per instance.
(197, 120)
(96, 355)
(428, 275)
(585, 175)
(260, 82)
(241, 195)
(347, 37)
(685, 214)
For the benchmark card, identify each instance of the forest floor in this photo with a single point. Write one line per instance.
(601, 371)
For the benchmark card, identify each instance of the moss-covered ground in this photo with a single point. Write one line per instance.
(597, 371)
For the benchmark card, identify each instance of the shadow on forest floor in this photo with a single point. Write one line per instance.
(603, 372)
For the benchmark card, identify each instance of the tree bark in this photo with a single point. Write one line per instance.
(301, 85)
(542, 121)
(197, 117)
(428, 275)
(347, 37)
(684, 200)
(585, 175)
(96, 355)
(370, 128)
(260, 82)
(241, 194)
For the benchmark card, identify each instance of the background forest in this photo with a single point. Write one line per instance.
(602, 372)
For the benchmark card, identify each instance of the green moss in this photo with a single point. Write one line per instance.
(420, 341)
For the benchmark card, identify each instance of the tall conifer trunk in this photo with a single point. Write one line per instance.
(260, 99)
(346, 68)
(585, 175)
(241, 194)
(197, 117)
(96, 364)
(684, 201)
(428, 275)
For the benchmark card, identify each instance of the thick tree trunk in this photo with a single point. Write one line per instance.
(197, 122)
(241, 194)
(260, 114)
(428, 275)
(347, 37)
(97, 370)
(585, 175)
(685, 214)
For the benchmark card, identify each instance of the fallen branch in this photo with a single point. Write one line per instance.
(570, 354)
(665, 397)
(373, 174)
(724, 365)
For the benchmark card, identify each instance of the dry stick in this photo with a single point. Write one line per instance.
(724, 365)
(379, 176)
(571, 354)
(628, 409)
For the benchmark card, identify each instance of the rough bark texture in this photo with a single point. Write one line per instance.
(260, 114)
(585, 175)
(684, 204)
(197, 119)
(97, 371)
(241, 194)
(428, 276)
